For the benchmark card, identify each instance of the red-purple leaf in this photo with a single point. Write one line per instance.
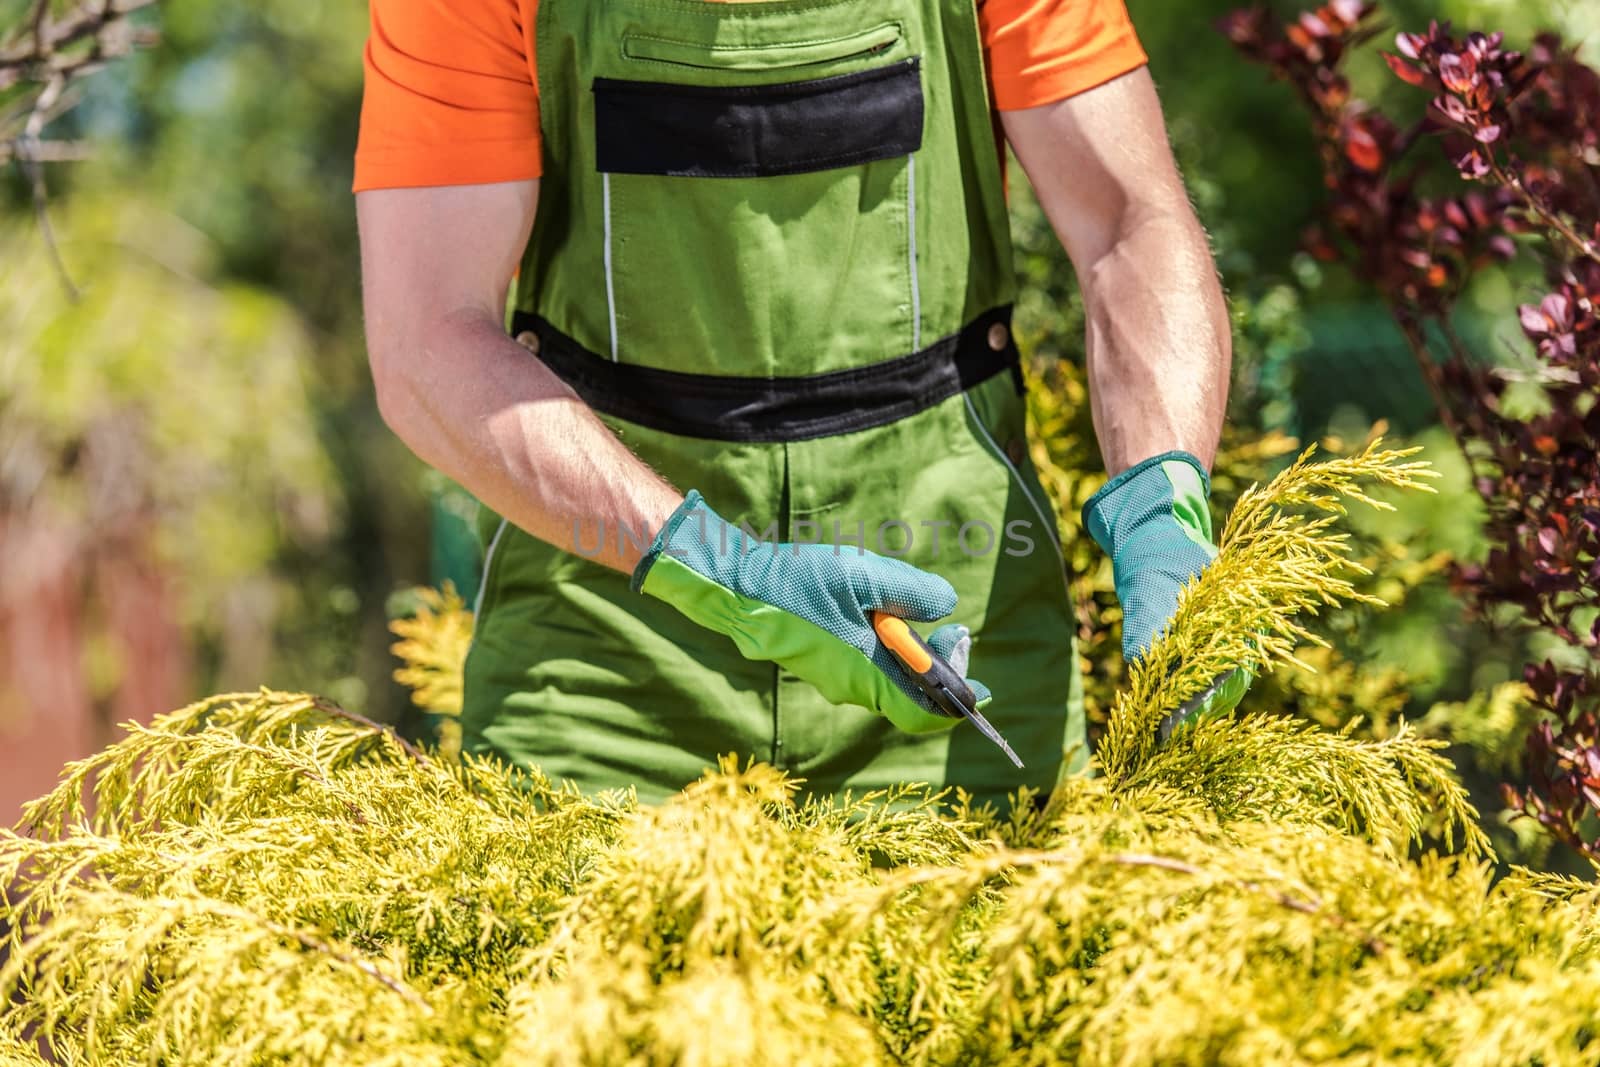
(1361, 148)
(1477, 205)
(1472, 164)
(1458, 71)
(1557, 309)
(1452, 109)
(1314, 25)
(1403, 70)
(1351, 11)
(1305, 41)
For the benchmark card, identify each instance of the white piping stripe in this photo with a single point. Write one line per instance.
(911, 226)
(488, 561)
(611, 289)
(1048, 521)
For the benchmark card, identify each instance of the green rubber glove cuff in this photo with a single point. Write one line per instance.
(658, 544)
(1187, 482)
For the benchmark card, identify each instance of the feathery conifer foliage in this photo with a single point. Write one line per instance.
(266, 879)
(432, 649)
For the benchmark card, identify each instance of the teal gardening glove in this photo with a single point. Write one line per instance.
(1154, 522)
(806, 607)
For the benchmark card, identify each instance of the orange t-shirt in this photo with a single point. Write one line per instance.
(451, 96)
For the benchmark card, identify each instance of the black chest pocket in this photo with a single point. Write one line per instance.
(754, 131)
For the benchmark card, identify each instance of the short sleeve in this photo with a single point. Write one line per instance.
(1041, 51)
(449, 97)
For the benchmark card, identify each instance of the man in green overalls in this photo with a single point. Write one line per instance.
(758, 380)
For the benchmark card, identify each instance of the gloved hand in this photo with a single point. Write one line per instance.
(1154, 522)
(805, 607)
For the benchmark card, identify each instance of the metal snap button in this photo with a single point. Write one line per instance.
(529, 340)
(998, 336)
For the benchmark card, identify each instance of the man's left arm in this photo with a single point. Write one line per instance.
(1158, 344)
(1158, 336)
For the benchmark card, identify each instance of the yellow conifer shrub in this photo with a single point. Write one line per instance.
(268, 880)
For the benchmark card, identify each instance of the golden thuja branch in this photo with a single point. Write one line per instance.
(1280, 558)
(432, 649)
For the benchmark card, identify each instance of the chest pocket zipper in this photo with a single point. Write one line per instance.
(649, 48)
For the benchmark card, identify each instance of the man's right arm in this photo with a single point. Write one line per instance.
(472, 402)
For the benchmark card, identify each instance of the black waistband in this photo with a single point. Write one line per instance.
(725, 408)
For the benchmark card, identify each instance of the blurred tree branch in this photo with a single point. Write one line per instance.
(42, 57)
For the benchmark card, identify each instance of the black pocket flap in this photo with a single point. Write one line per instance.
(752, 131)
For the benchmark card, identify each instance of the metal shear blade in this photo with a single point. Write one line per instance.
(983, 725)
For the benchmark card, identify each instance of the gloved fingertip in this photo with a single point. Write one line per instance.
(941, 598)
(914, 594)
(953, 643)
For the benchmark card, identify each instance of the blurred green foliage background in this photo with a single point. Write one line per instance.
(212, 234)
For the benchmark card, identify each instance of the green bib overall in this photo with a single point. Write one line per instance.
(772, 252)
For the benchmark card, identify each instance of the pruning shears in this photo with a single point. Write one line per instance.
(939, 682)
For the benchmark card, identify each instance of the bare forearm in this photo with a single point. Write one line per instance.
(1159, 348)
(482, 409)
(1158, 334)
